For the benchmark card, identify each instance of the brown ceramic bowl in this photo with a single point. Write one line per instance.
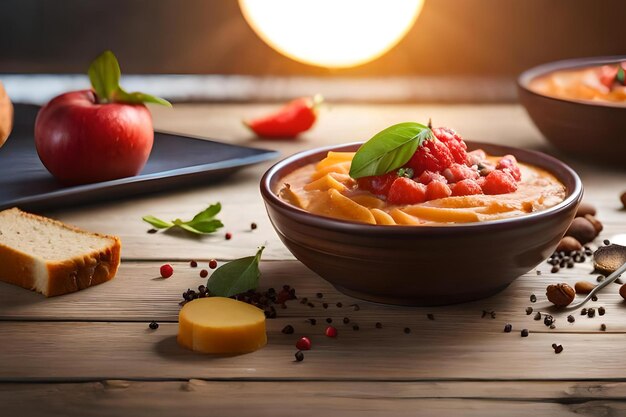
(421, 265)
(587, 129)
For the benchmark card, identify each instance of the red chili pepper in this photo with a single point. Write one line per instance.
(295, 117)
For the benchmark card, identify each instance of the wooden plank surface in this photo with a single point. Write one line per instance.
(223, 398)
(461, 363)
(139, 294)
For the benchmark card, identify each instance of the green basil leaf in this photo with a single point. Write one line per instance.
(205, 226)
(158, 223)
(388, 149)
(237, 276)
(121, 96)
(104, 74)
(208, 213)
(621, 75)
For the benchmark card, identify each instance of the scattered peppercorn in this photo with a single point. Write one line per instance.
(312, 321)
(594, 298)
(304, 343)
(407, 330)
(152, 231)
(204, 273)
(319, 295)
(356, 307)
(253, 226)
(304, 300)
(533, 298)
(583, 312)
(288, 329)
(355, 327)
(154, 325)
(299, 356)
(339, 305)
(310, 304)
(166, 270)
(558, 349)
(493, 314)
(524, 333)
(430, 316)
(228, 236)
(507, 328)
(331, 331)
(607, 242)
(591, 312)
(538, 272)
(603, 327)
(600, 278)
(571, 319)
(552, 326)
(601, 311)
(548, 320)
(529, 311)
(193, 264)
(554, 269)
(213, 264)
(537, 316)
(379, 325)
(346, 320)
(329, 320)
(325, 305)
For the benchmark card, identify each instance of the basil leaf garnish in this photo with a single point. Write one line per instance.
(389, 149)
(202, 223)
(235, 277)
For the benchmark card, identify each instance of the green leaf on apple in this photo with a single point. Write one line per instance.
(202, 223)
(104, 74)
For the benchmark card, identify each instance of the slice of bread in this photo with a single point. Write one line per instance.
(52, 258)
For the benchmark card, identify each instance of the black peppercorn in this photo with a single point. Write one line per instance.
(325, 305)
(603, 327)
(329, 320)
(537, 316)
(507, 328)
(533, 298)
(299, 356)
(529, 311)
(379, 325)
(524, 333)
(346, 320)
(407, 330)
(319, 295)
(253, 226)
(430, 316)
(312, 321)
(154, 325)
(601, 311)
(571, 319)
(355, 327)
(288, 329)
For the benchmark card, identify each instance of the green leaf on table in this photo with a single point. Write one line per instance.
(235, 277)
(158, 223)
(105, 73)
(202, 223)
(389, 149)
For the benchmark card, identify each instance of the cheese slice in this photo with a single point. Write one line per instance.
(221, 325)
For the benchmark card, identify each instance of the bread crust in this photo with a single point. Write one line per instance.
(64, 276)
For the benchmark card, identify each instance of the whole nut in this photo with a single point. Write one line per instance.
(582, 230)
(584, 209)
(560, 295)
(568, 244)
(595, 223)
(623, 198)
(622, 291)
(584, 287)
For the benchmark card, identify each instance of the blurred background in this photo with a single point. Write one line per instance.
(469, 50)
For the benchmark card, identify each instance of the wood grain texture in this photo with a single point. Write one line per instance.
(139, 294)
(223, 398)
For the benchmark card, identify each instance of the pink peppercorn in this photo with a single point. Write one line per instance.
(331, 331)
(228, 236)
(166, 270)
(212, 264)
(204, 273)
(304, 343)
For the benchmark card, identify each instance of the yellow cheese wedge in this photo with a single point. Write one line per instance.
(221, 325)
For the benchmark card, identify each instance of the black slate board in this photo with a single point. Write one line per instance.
(175, 161)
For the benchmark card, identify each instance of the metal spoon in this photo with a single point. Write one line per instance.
(609, 280)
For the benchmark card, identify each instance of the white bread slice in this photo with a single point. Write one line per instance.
(52, 258)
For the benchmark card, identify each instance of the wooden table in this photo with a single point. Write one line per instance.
(92, 354)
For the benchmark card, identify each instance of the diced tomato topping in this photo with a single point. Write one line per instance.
(436, 190)
(466, 187)
(432, 155)
(406, 191)
(509, 163)
(379, 184)
(429, 176)
(454, 142)
(476, 157)
(608, 74)
(458, 172)
(499, 182)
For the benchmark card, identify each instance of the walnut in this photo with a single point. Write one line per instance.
(560, 295)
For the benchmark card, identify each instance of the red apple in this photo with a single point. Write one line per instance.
(81, 141)
(90, 136)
